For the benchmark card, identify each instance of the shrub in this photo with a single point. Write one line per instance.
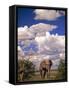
(61, 70)
(27, 68)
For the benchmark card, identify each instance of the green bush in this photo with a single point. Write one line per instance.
(61, 70)
(26, 69)
(29, 69)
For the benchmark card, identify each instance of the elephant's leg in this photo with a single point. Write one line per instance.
(49, 70)
(44, 73)
(46, 70)
(22, 75)
(41, 73)
(48, 73)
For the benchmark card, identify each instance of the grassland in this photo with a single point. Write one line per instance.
(37, 76)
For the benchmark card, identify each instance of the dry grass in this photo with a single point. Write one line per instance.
(37, 76)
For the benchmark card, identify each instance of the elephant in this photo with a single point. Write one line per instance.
(45, 67)
(20, 70)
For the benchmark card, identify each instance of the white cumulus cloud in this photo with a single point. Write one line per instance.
(41, 28)
(29, 33)
(44, 14)
(20, 53)
(49, 45)
(52, 45)
(24, 33)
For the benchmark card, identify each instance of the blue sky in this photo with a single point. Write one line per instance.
(26, 17)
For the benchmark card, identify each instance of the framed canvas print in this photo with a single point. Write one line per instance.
(37, 44)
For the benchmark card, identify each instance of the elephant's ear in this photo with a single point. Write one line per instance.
(51, 62)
